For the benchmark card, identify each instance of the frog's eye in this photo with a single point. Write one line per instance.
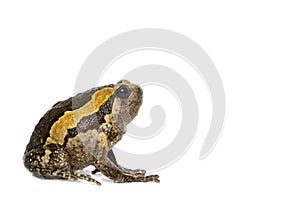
(123, 92)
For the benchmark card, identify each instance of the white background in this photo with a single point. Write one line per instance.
(255, 46)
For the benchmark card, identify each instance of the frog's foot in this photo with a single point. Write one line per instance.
(117, 175)
(132, 172)
(85, 177)
(75, 176)
(127, 179)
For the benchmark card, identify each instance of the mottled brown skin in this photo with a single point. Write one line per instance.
(90, 142)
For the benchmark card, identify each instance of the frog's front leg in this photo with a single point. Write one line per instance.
(112, 171)
(108, 137)
(106, 163)
(112, 158)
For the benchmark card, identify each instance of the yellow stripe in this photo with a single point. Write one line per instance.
(70, 119)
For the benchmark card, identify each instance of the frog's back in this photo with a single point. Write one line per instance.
(42, 129)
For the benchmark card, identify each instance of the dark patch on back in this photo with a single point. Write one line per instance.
(92, 121)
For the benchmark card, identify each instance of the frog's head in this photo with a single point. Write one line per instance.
(128, 98)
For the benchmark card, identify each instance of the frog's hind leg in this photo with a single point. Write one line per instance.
(74, 176)
(52, 165)
(42, 163)
(65, 174)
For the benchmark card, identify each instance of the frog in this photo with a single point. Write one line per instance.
(81, 131)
